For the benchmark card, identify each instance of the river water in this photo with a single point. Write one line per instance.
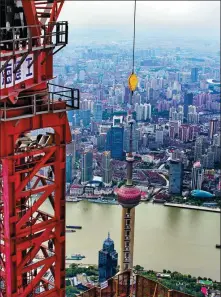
(165, 237)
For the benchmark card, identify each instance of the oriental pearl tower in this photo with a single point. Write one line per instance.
(128, 197)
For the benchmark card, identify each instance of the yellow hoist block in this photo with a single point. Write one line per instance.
(132, 82)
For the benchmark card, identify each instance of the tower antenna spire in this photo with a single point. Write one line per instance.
(130, 158)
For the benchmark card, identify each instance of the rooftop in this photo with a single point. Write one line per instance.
(129, 284)
(201, 194)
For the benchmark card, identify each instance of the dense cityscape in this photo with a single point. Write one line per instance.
(176, 136)
(110, 155)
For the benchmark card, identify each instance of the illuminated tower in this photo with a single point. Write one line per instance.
(128, 197)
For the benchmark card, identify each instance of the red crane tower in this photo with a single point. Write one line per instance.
(32, 161)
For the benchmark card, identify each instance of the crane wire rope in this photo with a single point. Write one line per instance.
(133, 80)
(134, 34)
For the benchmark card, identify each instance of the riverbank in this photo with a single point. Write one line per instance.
(185, 283)
(172, 236)
(217, 210)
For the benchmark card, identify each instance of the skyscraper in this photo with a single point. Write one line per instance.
(147, 111)
(117, 139)
(86, 166)
(101, 141)
(70, 115)
(126, 95)
(159, 136)
(192, 115)
(175, 177)
(98, 112)
(194, 74)
(85, 116)
(106, 168)
(188, 100)
(69, 165)
(197, 176)
(127, 132)
(198, 149)
(108, 260)
(213, 127)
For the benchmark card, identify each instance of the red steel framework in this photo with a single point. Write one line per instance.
(32, 168)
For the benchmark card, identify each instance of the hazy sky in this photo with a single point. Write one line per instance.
(201, 17)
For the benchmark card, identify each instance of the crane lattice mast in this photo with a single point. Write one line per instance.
(32, 160)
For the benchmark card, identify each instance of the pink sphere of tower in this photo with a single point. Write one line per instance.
(129, 196)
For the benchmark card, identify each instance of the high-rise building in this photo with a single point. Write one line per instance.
(98, 112)
(188, 100)
(116, 142)
(175, 177)
(172, 110)
(106, 168)
(213, 127)
(139, 108)
(209, 159)
(159, 136)
(192, 115)
(117, 121)
(197, 176)
(101, 141)
(70, 115)
(85, 117)
(76, 136)
(127, 132)
(76, 118)
(217, 153)
(198, 149)
(150, 94)
(86, 166)
(194, 74)
(184, 133)
(126, 95)
(174, 128)
(108, 260)
(217, 139)
(147, 111)
(69, 165)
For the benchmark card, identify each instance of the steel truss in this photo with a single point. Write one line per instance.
(27, 229)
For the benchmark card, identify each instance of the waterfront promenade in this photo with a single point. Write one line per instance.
(193, 207)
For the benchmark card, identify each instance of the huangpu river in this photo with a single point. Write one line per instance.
(165, 238)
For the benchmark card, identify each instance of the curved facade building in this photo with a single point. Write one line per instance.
(214, 85)
(201, 194)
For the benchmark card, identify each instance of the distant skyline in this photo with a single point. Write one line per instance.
(193, 18)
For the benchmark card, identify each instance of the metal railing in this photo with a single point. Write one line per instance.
(60, 100)
(17, 38)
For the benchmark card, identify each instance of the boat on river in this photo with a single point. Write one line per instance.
(104, 201)
(70, 231)
(72, 199)
(73, 227)
(76, 257)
